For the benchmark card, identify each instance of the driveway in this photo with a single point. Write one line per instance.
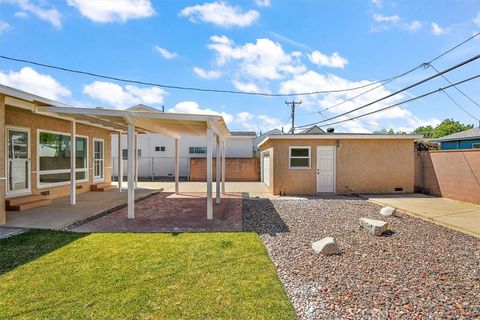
(419, 271)
(458, 215)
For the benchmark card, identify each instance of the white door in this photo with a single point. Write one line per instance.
(326, 169)
(18, 161)
(97, 160)
(266, 168)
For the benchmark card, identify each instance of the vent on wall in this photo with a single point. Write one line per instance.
(398, 189)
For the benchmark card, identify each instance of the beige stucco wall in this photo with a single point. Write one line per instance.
(362, 165)
(3, 217)
(27, 119)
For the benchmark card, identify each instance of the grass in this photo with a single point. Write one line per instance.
(49, 274)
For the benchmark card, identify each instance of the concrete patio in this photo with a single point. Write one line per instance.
(168, 212)
(457, 215)
(61, 213)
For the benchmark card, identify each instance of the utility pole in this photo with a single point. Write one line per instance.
(292, 105)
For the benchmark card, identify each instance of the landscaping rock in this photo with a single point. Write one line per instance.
(326, 246)
(374, 227)
(388, 211)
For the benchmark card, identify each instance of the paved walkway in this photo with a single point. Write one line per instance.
(168, 212)
(461, 216)
(61, 214)
(8, 232)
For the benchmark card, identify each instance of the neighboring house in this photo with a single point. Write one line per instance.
(468, 139)
(312, 130)
(156, 152)
(337, 163)
(263, 136)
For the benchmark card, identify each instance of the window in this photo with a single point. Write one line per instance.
(299, 157)
(97, 160)
(476, 145)
(162, 148)
(125, 153)
(157, 149)
(54, 158)
(197, 150)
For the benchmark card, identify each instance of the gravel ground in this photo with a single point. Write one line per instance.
(419, 271)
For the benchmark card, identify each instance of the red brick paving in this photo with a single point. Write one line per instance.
(167, 212)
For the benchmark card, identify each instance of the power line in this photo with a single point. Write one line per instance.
(424, 65)
(399, 91)
(406, 101)
(166, 86)
(459, 106)
(463, 93)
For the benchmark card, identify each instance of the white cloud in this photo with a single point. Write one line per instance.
(382, 18)
(263, 3)
(263, 59)
(220, 14)
(413, 26)
(29, 80)
(334, 61)
(194, 108)
(477, 20)
(165, 53)
(124, 97)
(113, 11)
(207, 74)
(244, 117)
(21, 14)
(50, 14)
(377, 3)
(247, 87)
(4, 26)
(437, 30)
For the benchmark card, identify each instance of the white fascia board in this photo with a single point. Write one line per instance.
(343, 136)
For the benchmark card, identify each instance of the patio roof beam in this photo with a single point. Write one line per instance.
(217, 171)
(120, 162)
(209, 173)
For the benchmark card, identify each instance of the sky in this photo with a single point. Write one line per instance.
(267, 46)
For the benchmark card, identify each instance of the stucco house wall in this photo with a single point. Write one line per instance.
(24, 118)
(362, 165)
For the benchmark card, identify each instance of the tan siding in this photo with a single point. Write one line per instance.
(27, 119)
(362, 166)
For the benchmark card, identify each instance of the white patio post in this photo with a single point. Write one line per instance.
(73, 149)
(136, 160)
(120, 162)
(217, 172)
(223, 165)
(209, 173)
(130, 171)
(177, 164)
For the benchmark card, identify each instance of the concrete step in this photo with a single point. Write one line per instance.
(23, 199)
(101, 187)
(30, 205)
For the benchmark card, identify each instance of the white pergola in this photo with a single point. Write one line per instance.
(134, 122)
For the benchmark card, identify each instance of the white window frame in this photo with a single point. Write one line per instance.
(196, 153)
(102, 178)
(29, 191)
(298, 157)
(44, 185)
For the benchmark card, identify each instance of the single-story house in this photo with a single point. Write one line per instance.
(468, 139)
(52, 150)
(338, 163)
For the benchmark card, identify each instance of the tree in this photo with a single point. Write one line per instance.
(427, 131)
(449, 126)
(389, 131)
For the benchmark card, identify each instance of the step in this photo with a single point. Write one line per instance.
(30, 205)
(101, 186)
(24, 199)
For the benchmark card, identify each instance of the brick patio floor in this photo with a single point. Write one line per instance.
(167, 212)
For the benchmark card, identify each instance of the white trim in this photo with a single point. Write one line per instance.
(334, 148)
(43, 185)
(300, 157)
(333, 136)
(262, 171)
(96, 179)
(29, 162)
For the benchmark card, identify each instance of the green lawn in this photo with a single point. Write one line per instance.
(47, 275)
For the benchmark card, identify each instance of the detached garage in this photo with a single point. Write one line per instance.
(338, 163)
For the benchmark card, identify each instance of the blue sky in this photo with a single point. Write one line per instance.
(274, 46)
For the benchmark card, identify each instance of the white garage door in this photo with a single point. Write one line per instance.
(266, 168)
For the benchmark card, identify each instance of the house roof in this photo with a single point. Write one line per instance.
(473, 133)
(243, 133)
(337, 136)
(145, 121)
(142, 108)
(312, 130)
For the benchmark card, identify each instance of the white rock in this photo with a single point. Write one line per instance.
(375, 227)
(327, 246)
(388, 211)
